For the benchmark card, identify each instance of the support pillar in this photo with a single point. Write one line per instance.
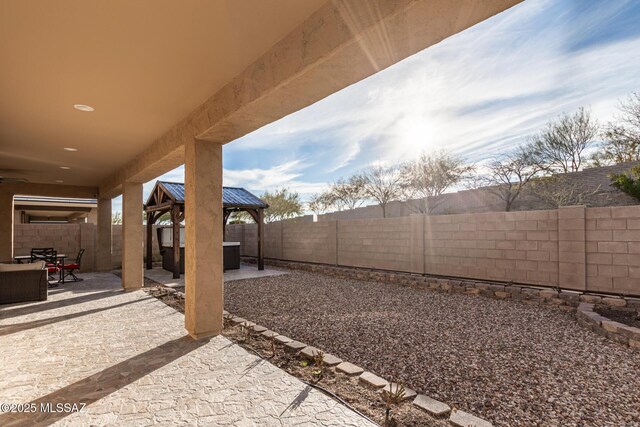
(203, 239)
(132, 235)
(6, 226)
(103, 243)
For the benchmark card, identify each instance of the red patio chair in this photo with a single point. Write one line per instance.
(70, 268)
(50, 257)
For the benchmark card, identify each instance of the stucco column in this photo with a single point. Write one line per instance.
(6, 226)
(203, 239)
(132, 235)
(103, 243)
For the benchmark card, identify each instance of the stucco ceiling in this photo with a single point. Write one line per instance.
(143, 65)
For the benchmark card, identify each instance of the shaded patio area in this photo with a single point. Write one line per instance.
(126, 356)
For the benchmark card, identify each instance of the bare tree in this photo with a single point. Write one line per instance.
(560, 146)
(559, 190)
(622, 136)
(349, 193)
(509, 174)
(320, 203)
(430, 176)
(384, 184)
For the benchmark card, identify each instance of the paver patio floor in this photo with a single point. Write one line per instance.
(128, 357)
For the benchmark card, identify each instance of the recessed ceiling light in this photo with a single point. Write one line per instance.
(83, 107)
(59, 180)
(70, 149)
(65, 167)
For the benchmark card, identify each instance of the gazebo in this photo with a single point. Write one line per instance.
(169, 197)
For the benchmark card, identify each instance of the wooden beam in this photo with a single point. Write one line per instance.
(151, 219)
(175, 214)
(225, 219)
(260, 213)
(166, 206)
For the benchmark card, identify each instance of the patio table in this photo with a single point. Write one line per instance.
(61, 257)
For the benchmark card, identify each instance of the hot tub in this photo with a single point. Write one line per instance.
(230, 251)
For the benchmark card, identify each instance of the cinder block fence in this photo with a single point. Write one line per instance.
(577, 248)
(69, 239)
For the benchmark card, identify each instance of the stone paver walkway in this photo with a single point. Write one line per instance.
(127, 356)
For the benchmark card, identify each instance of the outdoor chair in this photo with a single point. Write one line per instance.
(69, 269)
(50, 257)
(38, 254)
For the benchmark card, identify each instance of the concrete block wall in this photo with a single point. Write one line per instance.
(575, 248)
(65, 238)
(311, 242)
(116, 246)
(387, 244)
(249, 242)
(505, 246)
(613, 249)
(233, 233)
(273, 240)
(572, 247)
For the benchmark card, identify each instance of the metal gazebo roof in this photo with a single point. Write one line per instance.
(169, 197)
(232, 197)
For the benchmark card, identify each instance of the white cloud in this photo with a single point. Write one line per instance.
(279, 176)
(477, 93)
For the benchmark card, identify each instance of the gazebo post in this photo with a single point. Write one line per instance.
(260, 239)
(175, 221)
(225, 218)
(151, 219)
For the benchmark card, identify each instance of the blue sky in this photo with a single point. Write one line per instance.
(477, 94)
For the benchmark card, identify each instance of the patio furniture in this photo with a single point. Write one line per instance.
(40, 253)
(50, 258)
(23, 282)
(22, 259)
(69, 269)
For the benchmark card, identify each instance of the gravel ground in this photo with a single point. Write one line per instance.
(511, 363)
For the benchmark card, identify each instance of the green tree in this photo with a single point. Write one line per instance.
(628, 183)
(283, 204)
